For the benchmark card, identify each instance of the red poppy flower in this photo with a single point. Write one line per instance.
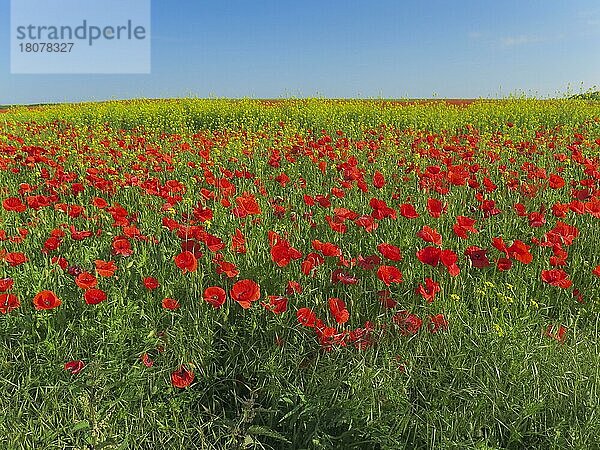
(224, 267)
(477, 256)
(489, 208)
(408, 211)
(366, 222)
(151, 283)
(94, 296)
(15, 258)
(462, 225)
(99, 202)
(504, 264)
(448, 258)
(362, 338)
(306, 317)
(386, 300)
(146, 360)
(520, 251)
(368, 262)
(215, 296)
(556, 277)
(437, 323)
(51, 244)
(430, 235)
(75, 211)
(326, 248)
(536, 219)
(338, 310)
(596, 271)
(339, 193)
(340, 276)
(293, 287)
(562, 233)
(122, 246)
(74, 367)
(560, 210)
(389, 275)
(378, 180)
(170, 303)
(246, 205)
(408, 323)
(282, 179)
(74, 270)
(429, 290)
(489, 185)
(390, 251)
(14, 204)
(6, 284)
(105, 269)
(203, 214)
(192, 245)
(593, 207)
(77, 188)
(436, 208)
(323, 201)
(520, 209)
(46, 300)
(381, 210)
(186, 261)
(558, 335)
(329, 336)
(577, 206)
(311, 261)
(86, 280)
(336, 224)
(277, 304)
(308, 200)
(430, 256)
(238, 242)
(8, 302)
(582, 194)
(79, 235)
(182, 377)
(213, 243)
(500, 245)
(245, 292)
(62, 262)
(282, 253)
(559, 257)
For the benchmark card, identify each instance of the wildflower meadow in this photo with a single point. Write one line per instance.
(300, 274)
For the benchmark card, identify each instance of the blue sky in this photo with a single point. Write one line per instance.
(335, 48)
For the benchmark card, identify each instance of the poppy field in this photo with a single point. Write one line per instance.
(300, 274)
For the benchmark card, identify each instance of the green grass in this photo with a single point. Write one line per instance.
(492, 381)
(591, 95)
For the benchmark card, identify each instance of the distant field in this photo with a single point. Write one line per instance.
(374, 274)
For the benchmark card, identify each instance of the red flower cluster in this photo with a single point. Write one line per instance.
(373, 239)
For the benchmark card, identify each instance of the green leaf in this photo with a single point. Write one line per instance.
(264, 431)
(83, 425)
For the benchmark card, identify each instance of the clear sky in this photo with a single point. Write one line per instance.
(343, 48)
